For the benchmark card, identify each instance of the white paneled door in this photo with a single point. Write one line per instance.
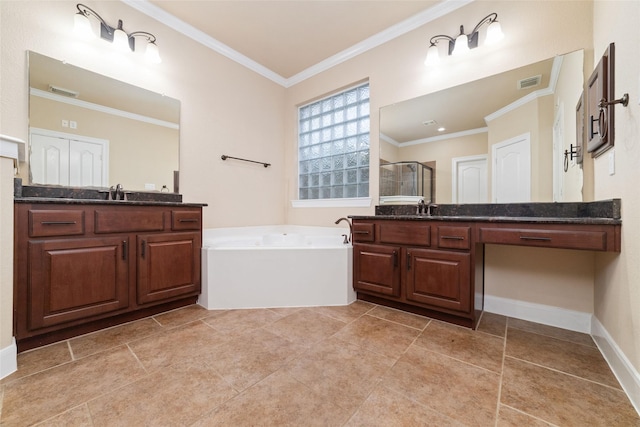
(64, 159)
(511, 173)
(469, 179)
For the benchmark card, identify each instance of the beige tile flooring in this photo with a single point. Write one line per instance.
(359, 365)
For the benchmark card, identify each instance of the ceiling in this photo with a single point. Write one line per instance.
(463, 108)
(284, 39)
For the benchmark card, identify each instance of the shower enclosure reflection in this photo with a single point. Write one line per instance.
(406, 182)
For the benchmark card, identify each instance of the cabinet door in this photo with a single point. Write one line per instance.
(439, 278)
(168, 266)
(76, 278)
(376, 269)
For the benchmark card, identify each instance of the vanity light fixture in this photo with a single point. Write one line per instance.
(465, 42)
(122, 40)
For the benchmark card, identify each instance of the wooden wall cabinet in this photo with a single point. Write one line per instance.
(81, 267)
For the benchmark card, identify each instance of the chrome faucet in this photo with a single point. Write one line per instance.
(425, 208)
(350, 229)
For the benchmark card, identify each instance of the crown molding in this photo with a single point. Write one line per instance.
(101, 108)
(549, 90)
(397, 30)
(182, 27)
(382, 37)
(445, 137)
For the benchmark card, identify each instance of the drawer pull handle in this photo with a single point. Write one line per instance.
(124, 250)
(408, 261)
(188, 220)
(360, 232)
(58, 222)
(452, 238)
(539, 239)
(395, 259)
(143, 248)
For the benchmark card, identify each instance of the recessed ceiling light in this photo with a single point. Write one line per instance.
(441, 129)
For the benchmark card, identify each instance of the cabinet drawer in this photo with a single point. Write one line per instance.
(117, 221)
(407, 233)
(454, 237)
(44, 223)
(564, 239)
(363, 232)
(185, 220)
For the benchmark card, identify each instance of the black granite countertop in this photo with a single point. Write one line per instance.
(598, 212)
(514, 219)
(91, 195)
(68, 201)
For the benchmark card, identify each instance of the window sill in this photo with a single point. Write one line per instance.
(360, 202)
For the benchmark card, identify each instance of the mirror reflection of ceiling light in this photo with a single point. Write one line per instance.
(122, 40)
(465, 42)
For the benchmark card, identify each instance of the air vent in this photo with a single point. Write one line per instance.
(529, 82)
(429, 122)
(64, 92)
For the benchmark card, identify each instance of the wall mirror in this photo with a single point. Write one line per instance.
(89, 130)
(500, 139)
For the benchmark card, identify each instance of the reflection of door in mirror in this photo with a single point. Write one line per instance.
(469, 179)
(511, 177)
(65, 159)
(470, 119)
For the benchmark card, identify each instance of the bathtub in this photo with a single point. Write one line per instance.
(275, 266)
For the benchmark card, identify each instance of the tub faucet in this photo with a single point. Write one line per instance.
(350, 228)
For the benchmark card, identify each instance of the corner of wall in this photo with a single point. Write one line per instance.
(622, 368)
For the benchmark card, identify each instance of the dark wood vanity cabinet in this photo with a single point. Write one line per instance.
(435, 267)
(418, 266)
(79, 267)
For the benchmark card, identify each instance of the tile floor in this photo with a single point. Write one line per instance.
(360, 365)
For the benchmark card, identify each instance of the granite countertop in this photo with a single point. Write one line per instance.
(70, 201)
(91, 195)
(520, 219)
(605, 212)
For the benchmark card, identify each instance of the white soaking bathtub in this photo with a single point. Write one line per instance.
(275, 266)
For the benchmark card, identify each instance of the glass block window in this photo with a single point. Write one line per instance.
(333, 146)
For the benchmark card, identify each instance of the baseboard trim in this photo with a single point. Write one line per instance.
(624, 371)
(572, 320)
(9, 359)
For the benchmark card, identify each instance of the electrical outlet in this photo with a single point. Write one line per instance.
(73, 124)
(65, 123)
(612, 162)
(149, 186)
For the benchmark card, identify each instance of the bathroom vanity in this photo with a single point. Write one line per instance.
(433, 265)
(85, 264)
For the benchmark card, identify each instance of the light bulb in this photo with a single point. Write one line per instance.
(461, 46)
(82, 26)
(433, 56)
(121, 39)
(152, 53)
(494, 33)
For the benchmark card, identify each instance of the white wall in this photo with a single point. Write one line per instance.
(226, 108)
(617, 278)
